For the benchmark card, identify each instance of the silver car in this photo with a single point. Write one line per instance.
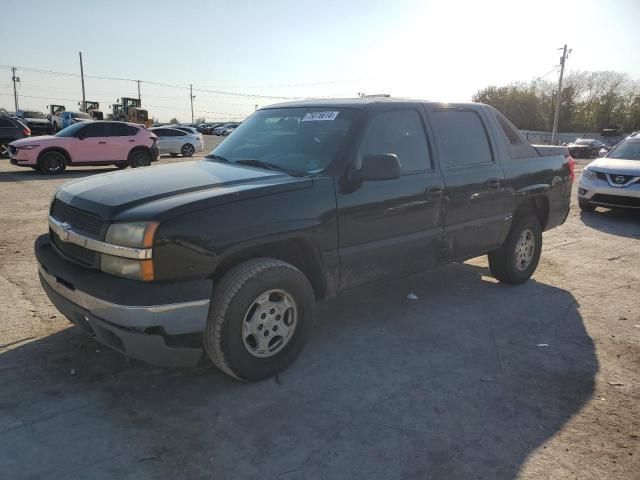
(614, 180)
(177, 141)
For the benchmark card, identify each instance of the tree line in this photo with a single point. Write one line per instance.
(589, 102)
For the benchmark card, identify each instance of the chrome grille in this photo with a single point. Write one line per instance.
(79, 220)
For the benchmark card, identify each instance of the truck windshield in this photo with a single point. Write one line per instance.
(627, 150)
(302, 140)
(81, 115)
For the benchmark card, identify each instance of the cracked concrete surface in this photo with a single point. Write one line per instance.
(474, 379)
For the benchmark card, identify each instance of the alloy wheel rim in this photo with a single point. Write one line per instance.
(4, 150)
(269, 323)
(53, 163)
(525, 248)
(188, 150)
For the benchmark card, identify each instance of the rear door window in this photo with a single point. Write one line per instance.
(463, 138)
(6, 123)
(96, 130)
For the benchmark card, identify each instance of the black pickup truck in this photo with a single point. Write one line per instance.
(228, 254)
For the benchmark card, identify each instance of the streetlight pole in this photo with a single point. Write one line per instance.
(556, 115)
(84, 100)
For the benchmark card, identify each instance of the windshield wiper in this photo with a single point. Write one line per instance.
(217, 157)
(260, 164)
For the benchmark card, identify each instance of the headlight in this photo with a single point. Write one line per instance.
(590, 174)
(127, 267)
(28, 147)
(137, 235)
(134, 235)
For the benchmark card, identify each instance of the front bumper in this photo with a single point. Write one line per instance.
(157, 322)
(599, 192)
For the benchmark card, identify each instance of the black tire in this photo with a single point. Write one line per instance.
(586, 206)
(232, 300)
(139, 158)
(504, 261)
(187, 150)
(4, 147)
(52, 163)
(121, 166)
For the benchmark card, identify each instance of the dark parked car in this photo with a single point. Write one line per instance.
(36, 121)
(207, 128)
(586, 148)
(228, 255)
(11, 129)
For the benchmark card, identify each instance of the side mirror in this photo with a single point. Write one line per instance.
(602, 152)
(383, 166)
(81, 135)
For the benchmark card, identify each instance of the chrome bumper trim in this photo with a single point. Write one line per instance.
(66, 234)
(174, 318)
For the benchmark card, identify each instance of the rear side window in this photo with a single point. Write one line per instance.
(463, 137)
(399, 132)
(517, 146)
(6, 123)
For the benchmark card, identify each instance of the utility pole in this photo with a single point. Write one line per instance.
(84, 100)
(556, 115)
(191, 97)
(14, 79)
(139, 98)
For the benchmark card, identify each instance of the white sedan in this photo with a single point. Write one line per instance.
(178, 142)
(614, 180)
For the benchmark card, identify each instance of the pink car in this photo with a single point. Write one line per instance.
(87, 143)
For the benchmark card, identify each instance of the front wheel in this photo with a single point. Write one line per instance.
(516, 260)
(260, 317)
(586, 206)
(52, 163)
(4, 148)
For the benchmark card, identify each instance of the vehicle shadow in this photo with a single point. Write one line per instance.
(621, 222)
(465, 381)
(25, 175)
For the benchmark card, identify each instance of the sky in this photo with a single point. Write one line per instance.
(244, 53)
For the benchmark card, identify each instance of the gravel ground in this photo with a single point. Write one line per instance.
(473, 379)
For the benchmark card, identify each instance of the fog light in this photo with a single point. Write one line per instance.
(581, 191)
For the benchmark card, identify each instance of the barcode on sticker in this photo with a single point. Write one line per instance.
(319, 116)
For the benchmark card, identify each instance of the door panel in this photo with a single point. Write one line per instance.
(390, 227)
(94, 147)
(475, 194)
(121, 141)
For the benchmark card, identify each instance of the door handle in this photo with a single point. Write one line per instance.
(100, 143)
(435, 191)
(494, 183)
(132, 140)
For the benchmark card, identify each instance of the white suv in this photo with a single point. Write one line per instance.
(614, 180)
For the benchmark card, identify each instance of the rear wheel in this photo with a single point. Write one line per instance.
(139, 158)
(187, 150)
(516, 260)
(260, 317)
(586, 206)
(52, 163)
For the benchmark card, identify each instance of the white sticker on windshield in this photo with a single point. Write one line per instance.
(319, 116)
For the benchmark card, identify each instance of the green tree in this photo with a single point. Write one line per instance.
(173, 121)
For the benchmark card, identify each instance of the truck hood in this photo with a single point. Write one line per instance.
(616, 165)
(152, 191)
